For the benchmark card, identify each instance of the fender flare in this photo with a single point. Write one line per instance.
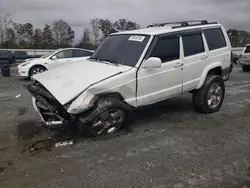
(205, 72)
(112, 94)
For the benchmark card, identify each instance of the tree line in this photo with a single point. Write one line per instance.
(60, 34)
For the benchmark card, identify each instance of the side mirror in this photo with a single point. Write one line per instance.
(152, 62)
(53, 57)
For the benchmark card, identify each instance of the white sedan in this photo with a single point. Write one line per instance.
(55, 59)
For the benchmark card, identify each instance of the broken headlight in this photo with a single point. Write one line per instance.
(82, 103)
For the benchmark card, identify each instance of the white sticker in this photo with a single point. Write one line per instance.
(136, 38)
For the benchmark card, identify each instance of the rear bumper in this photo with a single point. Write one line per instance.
(244, 62)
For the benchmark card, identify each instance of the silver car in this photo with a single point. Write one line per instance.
(245, 59)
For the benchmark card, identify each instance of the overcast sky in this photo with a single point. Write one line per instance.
(231, 13)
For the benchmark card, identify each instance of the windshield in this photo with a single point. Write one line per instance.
(121, 49)
(47, 55)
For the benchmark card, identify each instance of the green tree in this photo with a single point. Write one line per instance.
(238, 38)
(95, 29)
(37, 38)
(10, 39)
(5, 22)
(63, 33)
(20, 31)
(28, 34)
(85, 41)
(105, 26)
(10, 35)
(47, 35)
(124, 24)
(70, 36)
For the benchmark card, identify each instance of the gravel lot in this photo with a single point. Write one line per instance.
(167, 145)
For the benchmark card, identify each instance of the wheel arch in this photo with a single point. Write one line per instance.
(215, 68)
(113, 94)
(36, 65)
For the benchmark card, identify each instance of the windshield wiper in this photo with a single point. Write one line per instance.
(110, 61)
(94, 58)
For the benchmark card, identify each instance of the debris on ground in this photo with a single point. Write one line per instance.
(2, 169)
(62, 170)
(22, 111)
(10, 163)
(64, 144)
(41, 144)
(28, 130)
(17, 96)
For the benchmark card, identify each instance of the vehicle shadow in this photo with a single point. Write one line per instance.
(177, 105)
(167, 111)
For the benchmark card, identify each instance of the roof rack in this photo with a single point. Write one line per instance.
(183, 23)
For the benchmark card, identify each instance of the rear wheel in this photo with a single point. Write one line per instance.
(245, 68)
(36, 69)
(209, 98)
(109, 115)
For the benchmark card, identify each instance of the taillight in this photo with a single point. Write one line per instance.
(241, 54)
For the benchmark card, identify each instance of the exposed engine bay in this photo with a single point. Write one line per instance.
(47, 105)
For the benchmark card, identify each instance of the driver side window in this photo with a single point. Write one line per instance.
(167, 49)
(64, 54)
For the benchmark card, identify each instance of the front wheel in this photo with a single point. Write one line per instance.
(245, 68)
(209, 98)
(36, 70)
(109, 115)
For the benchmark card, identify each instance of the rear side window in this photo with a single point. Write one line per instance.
(193, 44)
(167, 49)
(215, 38)
(81, 53)
(247, 50)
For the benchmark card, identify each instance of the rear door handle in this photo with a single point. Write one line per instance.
(178, 65)
(204, 57)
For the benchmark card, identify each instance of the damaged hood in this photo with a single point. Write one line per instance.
(68, 81)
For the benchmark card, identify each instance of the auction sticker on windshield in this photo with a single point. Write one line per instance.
(136, 38)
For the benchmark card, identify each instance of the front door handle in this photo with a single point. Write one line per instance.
(204, 57)
(178, 65)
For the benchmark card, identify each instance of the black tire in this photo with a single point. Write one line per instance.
(200, 96)
(103, 105)
(36, 67)
(245, 68)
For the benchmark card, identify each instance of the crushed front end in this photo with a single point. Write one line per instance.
(50, 110)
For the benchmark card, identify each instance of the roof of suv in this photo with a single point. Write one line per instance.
(164, 29)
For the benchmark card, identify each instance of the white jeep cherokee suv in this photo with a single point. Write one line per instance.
(136, 68)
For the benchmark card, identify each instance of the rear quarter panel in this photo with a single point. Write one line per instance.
(217, 58)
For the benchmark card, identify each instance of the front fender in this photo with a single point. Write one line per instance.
(205, 72)
(82, 103)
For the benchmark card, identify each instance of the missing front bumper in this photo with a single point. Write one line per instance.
(50, 110)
